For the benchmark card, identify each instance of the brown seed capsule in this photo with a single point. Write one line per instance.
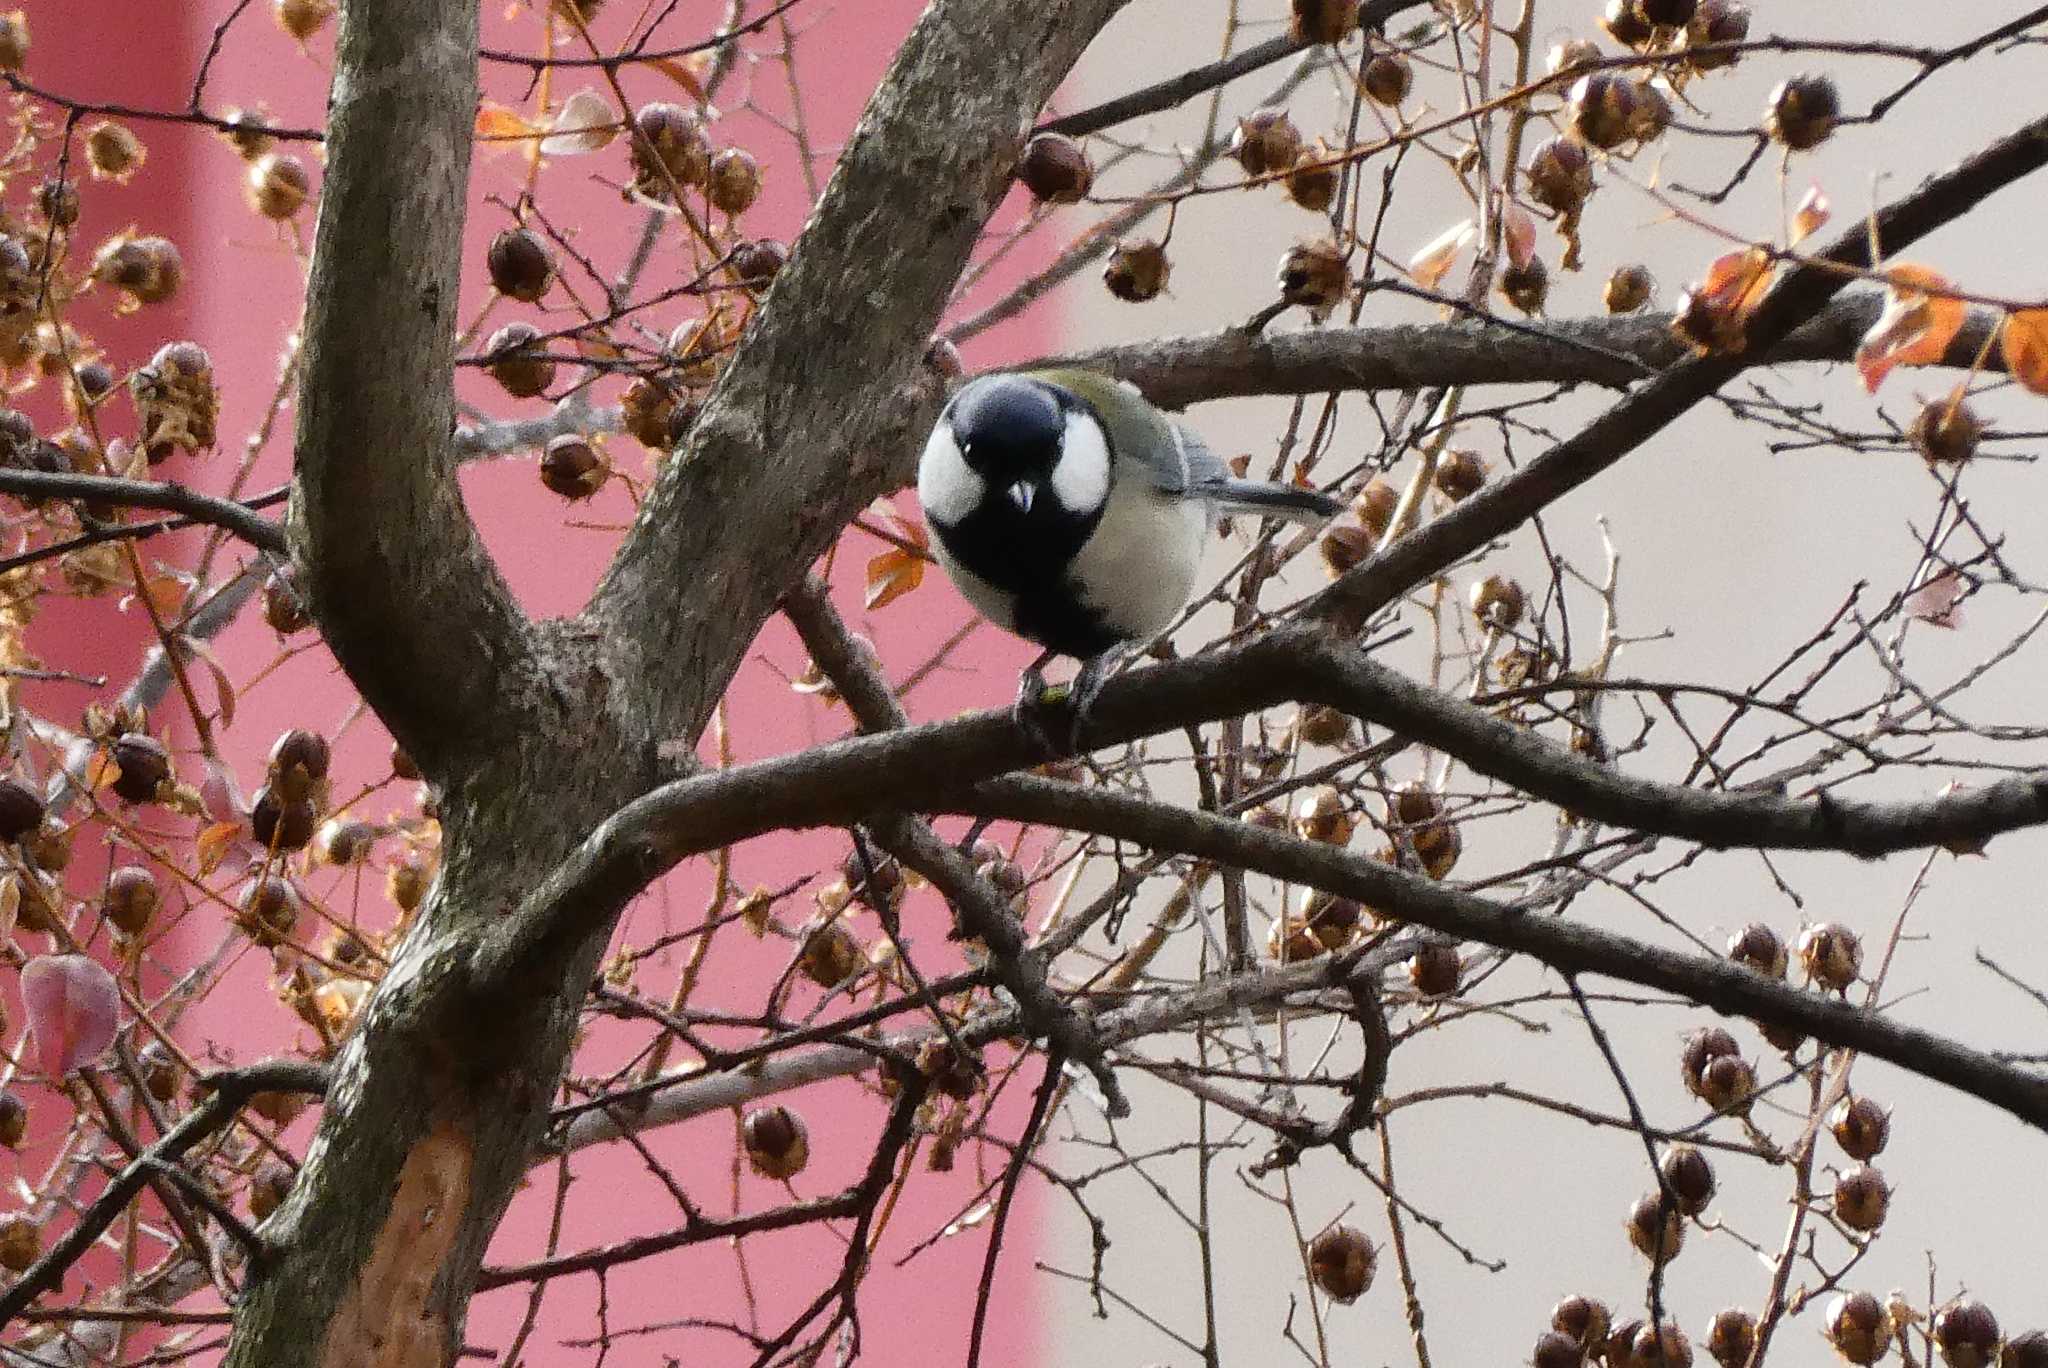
(668, 143)
(49, 845)
(406, 881)
(1655, 1229)
(267, 1190)
(17, 436)
(1344, 545)
(1652, 115)
(56, 202)
(142, 766)
(1758, 947)
(267, 910)
(1715, 21)
(1526, 286)
(1266, 141)
(1667, 13)
(303, 18)
(1945, 432)
(953, 1074)
(682, 416)
(13, 41)
(1803, 112)
(283, 608)
(758, 263)
(1700, 1049)
(735, 181)
(402, 764)
(1582, 1320)
(777, 1142)
(177, 406)
(1731, 1337)
(1861, 1127)
(1137, 271)
(132, 899)
(13, 1120)
(1628, 289)
(1966, 1334)
(1316, 724)
(943, 359)
(1690, 1178)
(1857, 1326)
(517, 359)
(146, 269)
(572, 467)
(1315, 276)
(1434, 970)
(299, 761)
(1862, 1197)
(278, 185)
(21, 809)
(112, 151)
(1601, 109)
(645, 408)
(1388, 78)
(1322, 816)
(1312, 184)
(2029, 1350)
(1323, 21)
(1573, 52)
(1832, 956)
(1620, 1349)
(248, 132)
(1555, 1350)
(1289, 942)
(1661, 1346)
(343, 842)
(1055, 169)
(20, 1243)
(1375, 507)
(831, 954)
(1560, 175)
(1624, 24)
(1728, 1083)
(1460, 474)
(1498, 602)
(521, 265)
(278, 1108)
(1342, 1261)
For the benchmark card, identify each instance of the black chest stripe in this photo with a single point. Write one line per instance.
(1028, 556)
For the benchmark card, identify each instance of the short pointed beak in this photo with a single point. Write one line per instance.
(1021, 494)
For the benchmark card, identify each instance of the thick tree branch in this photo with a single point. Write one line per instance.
(238, 518)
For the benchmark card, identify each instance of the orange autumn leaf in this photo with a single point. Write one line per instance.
(681, 75)
(497, 123)
(214, 843)
(1812, 213)
(2025, 344)
(1915, 327)
(1429, 266)
(891, 575)
(1713, 315)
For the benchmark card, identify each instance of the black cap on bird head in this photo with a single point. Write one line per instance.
(1009, 427)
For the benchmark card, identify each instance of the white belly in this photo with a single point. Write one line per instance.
(1139, 568)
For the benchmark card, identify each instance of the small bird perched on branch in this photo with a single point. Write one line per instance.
(1073, 513)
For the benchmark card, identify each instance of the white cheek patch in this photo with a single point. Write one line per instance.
(1080, 480)
(946, 485)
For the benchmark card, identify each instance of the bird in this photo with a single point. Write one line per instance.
(1071, 512)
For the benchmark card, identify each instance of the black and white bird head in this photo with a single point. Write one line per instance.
(1016, 450)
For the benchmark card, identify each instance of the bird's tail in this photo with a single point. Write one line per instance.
(1262, 499)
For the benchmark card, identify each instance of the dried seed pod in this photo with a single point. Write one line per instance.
(757, 263)
(831, 954)
(1756, 946)
(1728, 1083)
(1625, 24)
(1342, 1262)
(1317, 724)
(1055, 169)
(735, 181)
(1945, 431)
(113, 151)
(21, 809)
(1375, 507)
(1498, 602)
(573, 467)
(1803, 112)
(17, 435)
(1312, 183)
(267, 910)
(522, 266)
(2029, 1350)
(1459, 475)
(1731, 1337)
(1832, 956)
(248, 132)
(1661, 1346)
(1266, 141)
(13, 1120)
(146, 269)
(403, 766)
(1966, 1334)
(142, 766)
(1858, 1327)
(1315, 276)
(1628, 289)
(1526, 286)
(1560, 176)
(278, 1108)
(299, 761)
(1655, 1228)
(1388, 78)
(341, 841)
(1652, 116)
(517, 359)
(777, 1142)
(1667, 13)
(278, 185)
(1555, 1350)
(955, 1075)
(668, 143)
(1601, 109)
(49, 845)
(283, 608)
(942, 357)
(1861, 1127)
(56, 202)
(1583, 1320)
(20, 1243)
(132, 899)
(303, 18)
(406, 881)
(1690, 1178)
(1715, 21)
(1289, 942)
(1344, 545)
(1620, 1349)
(1573, 52)
(645, 409)
(1323, 21)
(1332, 920)
(1137, 271)
(13, 41)
(1434, 970)
(878, 883)
(1701, 1048)
(177, 406)
(268, 1189)
(1322, 816)
(1862, 1198)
